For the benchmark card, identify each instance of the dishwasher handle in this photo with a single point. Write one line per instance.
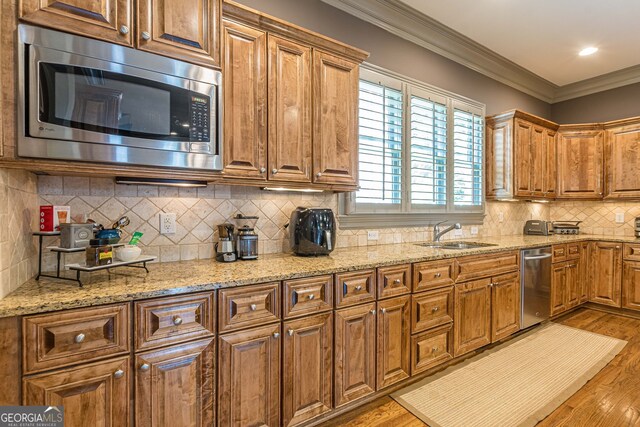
(537, 257)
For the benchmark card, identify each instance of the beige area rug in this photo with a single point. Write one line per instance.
(517, 383)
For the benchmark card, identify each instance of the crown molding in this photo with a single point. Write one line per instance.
(412, 25)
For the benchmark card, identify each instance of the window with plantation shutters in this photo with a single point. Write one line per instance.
(420, 155)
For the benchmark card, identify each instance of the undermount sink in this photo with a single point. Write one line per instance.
(455, 245)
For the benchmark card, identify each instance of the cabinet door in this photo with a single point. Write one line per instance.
(623, 162)
(580, 164)
(522, 158)
(245, 101)
(505, 306)
(538, 162)
(572, 278)
(550, 169)
(355, 353)
(472, 325)
(307, 371)
(249, 377)
(186, 30)
(558, 288)
(585, 273)
(109, 20)
(394, 333)
(335, 119)
(289, 111)
(631, 285)
(175, 385)
(499, 160)
(95, 394)
(606, 277)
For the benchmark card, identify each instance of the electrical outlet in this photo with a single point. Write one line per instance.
(500, 216)
(373, 235)
(167, 223)
(457, 232)
(474, 231)
(620, 217)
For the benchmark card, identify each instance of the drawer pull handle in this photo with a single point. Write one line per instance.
(118, 374)
(434, 309)
(79, 338)
(434, 349)
(144, 367)
(276, 334)
(290, 332)
(311, 296)
(383, 310)
(396, 282)
(359, 288)
(177, 320)
(437, 275)
(253, 307)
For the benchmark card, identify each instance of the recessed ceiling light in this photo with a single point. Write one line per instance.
(588, 51)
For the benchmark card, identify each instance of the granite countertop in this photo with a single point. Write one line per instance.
(128, 284)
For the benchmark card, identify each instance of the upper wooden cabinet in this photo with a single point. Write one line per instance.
(187, 30)
(109, 20)
(519, 146)
(580, 161)
(622, 159)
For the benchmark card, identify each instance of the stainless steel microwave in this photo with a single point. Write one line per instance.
(87, 100)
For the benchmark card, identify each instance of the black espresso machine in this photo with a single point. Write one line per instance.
(312, 231)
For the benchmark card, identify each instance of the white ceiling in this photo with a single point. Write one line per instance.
(544, 36)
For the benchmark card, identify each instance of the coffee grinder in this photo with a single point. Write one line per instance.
(225, 247)
(247, 239)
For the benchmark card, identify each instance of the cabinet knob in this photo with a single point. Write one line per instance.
(253, 307)
(144, 367)
(383, 310)
(79, 338)
(118, 374)
(124, 30)
(263, 170)
(276, 334)
(319, 174)
(290, 332)
(359, 288)
(146, 35)
(274, 171)
(437, 275)
(177, 320)
(434, 309)
(373, 312)
(311, 296)
(491, 285)
(396, 282)
(617, 247)
(434, 349)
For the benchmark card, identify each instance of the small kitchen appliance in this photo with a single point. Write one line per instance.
(312, 231)
(566, 227)
(74, 236)
(538, 228)
(225, 247)
(247, 239)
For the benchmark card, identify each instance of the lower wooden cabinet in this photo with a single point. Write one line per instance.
(505, 306)
(96, 394)
(566, 287)
(472, 326)
(631, 285)
(307, 368)
(606, 273)
(585, 273)
(394, 332)
(431, 348)
(175, 385)
(249, 377)
(355, 353)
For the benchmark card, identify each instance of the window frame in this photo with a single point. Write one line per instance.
(407, 214)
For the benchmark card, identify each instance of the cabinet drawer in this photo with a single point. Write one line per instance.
(355, 288)
(309, 295)
(573, 251)
(479, 266)
(430, 309)
(165, 321)
(632, 251)
(248, 306)
(559, 253)
(431, 348)
(433, 274)
(72, 336)
(393, 281)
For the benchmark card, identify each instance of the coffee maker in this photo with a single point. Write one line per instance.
(247, 239)
(225, 247)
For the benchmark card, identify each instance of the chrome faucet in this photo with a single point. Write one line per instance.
(437, 234)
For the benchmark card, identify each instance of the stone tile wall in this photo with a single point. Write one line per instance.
(598, 217)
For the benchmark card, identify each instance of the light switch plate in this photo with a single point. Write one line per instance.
(167, 223)
(373, 235)
(620, 217)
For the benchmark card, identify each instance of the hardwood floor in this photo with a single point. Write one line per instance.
(611, 398)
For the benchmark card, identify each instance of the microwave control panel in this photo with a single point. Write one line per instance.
(200, 116)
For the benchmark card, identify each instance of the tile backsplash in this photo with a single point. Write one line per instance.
(598, 217)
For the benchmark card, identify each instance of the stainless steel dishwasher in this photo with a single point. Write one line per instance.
(535, 286)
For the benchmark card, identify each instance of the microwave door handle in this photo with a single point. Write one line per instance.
(327, 240)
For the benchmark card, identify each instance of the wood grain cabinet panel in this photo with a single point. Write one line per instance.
(249, 377)
(394, 280)
(248, 306)
(394, 346)
(355, 288)
(622, 148)
(307, 368)
(505, 306)
(245, 101)
(431, 309)
(472, 326)
(574, 292)
(632, 252)
(355, 353)
(559, 253)
(478, 266)
(538, 163)
(585, 272)
(580, 164)
(307, 296)
(175, 385)
(335, 119)
(558, 288)
(606, 273)
(573, 251)
(551, 170)
(499, 160)
(523, 158)
(289, 82)
(73, 336)
(433, 274)
(431, 348)
(631, 285)
(109, 20)
(187, 30)
(96, 394)
(166, 321)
